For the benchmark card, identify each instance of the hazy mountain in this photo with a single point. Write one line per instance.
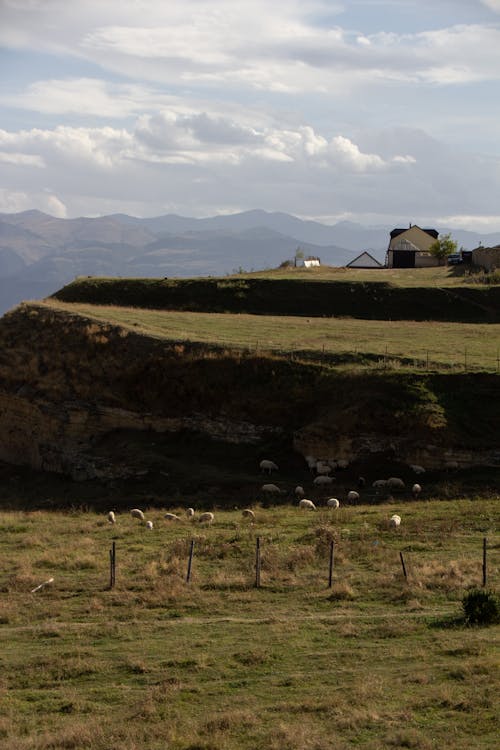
(40, 253)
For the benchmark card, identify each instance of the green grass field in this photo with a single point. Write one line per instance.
(373, 662)
(386, 344)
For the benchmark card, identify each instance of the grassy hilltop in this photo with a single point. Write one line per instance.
(376, 295)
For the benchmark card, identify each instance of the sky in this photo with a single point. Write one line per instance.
(373, 111)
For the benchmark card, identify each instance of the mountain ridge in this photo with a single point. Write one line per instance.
(37, 248)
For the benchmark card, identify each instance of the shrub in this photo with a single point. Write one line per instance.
(481, 607)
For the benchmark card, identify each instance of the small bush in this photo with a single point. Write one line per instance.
(481, 607)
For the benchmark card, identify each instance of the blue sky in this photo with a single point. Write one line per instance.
(376, 111)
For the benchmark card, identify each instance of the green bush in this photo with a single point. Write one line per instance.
(481, 607)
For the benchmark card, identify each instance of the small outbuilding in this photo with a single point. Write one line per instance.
(309, 262)
(486, 257)
(365, 260)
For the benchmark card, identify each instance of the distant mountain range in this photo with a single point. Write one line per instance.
(40, 253)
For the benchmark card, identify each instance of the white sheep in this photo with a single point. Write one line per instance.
(307, 504)
(395, 520)
(136, 513)
(270, 489)
(247, 513)
(417, 469)
(332, 502)
(395, 483)
(207, 517)
(416, 490)
(352, 496)
(171, 517)
(189, 512)
(311, 462)
(111, 517)
(323, 468)
(268, 466)
(149, 525)
(299, 491)
(322, 480)
(378, 483)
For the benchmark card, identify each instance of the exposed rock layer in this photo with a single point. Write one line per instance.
(67, 381)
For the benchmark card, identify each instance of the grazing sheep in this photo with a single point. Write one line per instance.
(342, 463)
(352, 496)
(111, 517)
(247, 513)
(299, 491)
(149, 525)
(416, 490)
(417, 469)
(171, 517)
(394, 521)
(311, 462)
(395, 483)
(206, 517)
(323, 480)
(378, 483)
(189, 512)
(307, 504)
(322, 468)
(332, 502)
(268, 466)
(270, 489)
(136, 513)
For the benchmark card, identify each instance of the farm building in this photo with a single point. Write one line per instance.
(308, 262)
(486, 257)
(409, 248)
(365, 260)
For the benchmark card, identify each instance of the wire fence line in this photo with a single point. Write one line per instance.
(429, 360)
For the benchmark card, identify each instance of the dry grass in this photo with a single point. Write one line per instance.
(384, 342)
(220, 664)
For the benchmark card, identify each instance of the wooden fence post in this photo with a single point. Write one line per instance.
(330, 571)
(112, 566)
(257, 562)
(190, 561)
(403, 566)
(485, 576)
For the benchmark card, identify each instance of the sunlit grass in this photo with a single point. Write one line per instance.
(376, 661)
(462, 346)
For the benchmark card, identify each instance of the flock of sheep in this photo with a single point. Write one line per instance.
(321, 468)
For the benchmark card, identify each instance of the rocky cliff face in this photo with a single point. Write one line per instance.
(68, 383)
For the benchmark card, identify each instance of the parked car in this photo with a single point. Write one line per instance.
(454, 259)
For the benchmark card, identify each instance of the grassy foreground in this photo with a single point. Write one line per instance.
(373, 662)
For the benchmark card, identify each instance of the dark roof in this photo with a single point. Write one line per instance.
(432, 232)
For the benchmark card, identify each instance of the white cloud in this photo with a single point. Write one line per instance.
(16, 201)
(282, 47)
(22, 160)
(347, 153)
(493, 5)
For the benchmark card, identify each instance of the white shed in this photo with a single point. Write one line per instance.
(308, 262)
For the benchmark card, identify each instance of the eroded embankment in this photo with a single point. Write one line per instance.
(367, 300)
(76, 394)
